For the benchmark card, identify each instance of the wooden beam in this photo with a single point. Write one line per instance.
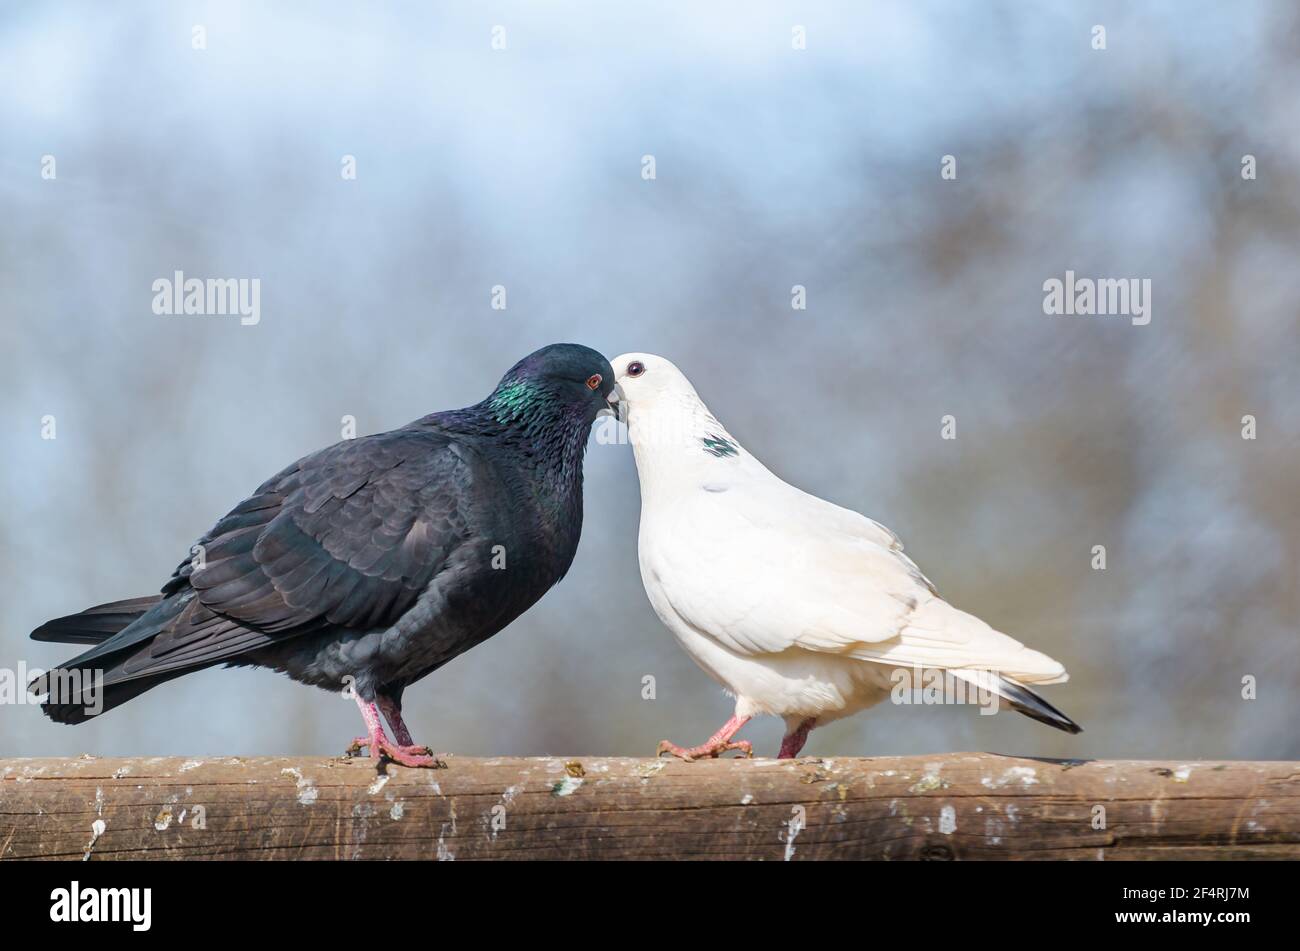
(950, 806)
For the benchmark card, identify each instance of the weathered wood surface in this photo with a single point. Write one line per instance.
(963, 806)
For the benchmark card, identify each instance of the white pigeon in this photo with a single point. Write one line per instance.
(799, 608)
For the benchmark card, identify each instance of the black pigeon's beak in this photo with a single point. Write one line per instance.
(612, 404)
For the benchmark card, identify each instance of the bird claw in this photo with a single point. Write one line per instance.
(712, 749)
(416, 757)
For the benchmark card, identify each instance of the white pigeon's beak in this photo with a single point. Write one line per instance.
(613, 403)
(617, 404)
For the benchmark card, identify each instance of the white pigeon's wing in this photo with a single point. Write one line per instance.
(763, 571)
(940, 635)
(770, 568)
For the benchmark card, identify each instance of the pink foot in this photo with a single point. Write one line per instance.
(384, 748)
(711, 749)
(381, 747)
(715, 746)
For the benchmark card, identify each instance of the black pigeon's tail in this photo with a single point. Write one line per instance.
(84, 687)
(90, 702)
(96, 624)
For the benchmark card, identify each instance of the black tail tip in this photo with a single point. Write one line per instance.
(66, 713)
(1035, 707)
(1054, 718)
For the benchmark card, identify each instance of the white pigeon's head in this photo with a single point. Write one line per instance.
(663, 412)
(644, 381)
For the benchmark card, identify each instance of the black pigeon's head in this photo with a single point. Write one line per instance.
(563, 380)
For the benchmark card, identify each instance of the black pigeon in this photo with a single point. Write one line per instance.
(368, 564)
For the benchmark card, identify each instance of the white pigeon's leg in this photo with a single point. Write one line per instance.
(382, 747)
(715, 746)
(794, 740)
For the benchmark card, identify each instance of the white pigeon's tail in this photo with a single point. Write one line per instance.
(939, 635)
(1019, 698)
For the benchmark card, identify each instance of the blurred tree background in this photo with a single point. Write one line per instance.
(775, 166)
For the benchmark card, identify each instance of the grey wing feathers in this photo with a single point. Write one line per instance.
(349, 536)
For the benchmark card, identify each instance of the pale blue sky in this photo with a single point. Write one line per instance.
(774, 167)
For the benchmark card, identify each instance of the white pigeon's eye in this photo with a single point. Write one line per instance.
(635, 368)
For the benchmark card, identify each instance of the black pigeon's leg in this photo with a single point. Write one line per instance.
(373, 727)
(795, 739)
(381, 747)
(391, 708)
(715, 746)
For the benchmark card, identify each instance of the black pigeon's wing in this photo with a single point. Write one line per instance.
(349, 537)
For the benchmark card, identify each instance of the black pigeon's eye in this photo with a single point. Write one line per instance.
(635, 368)
(593, 381)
